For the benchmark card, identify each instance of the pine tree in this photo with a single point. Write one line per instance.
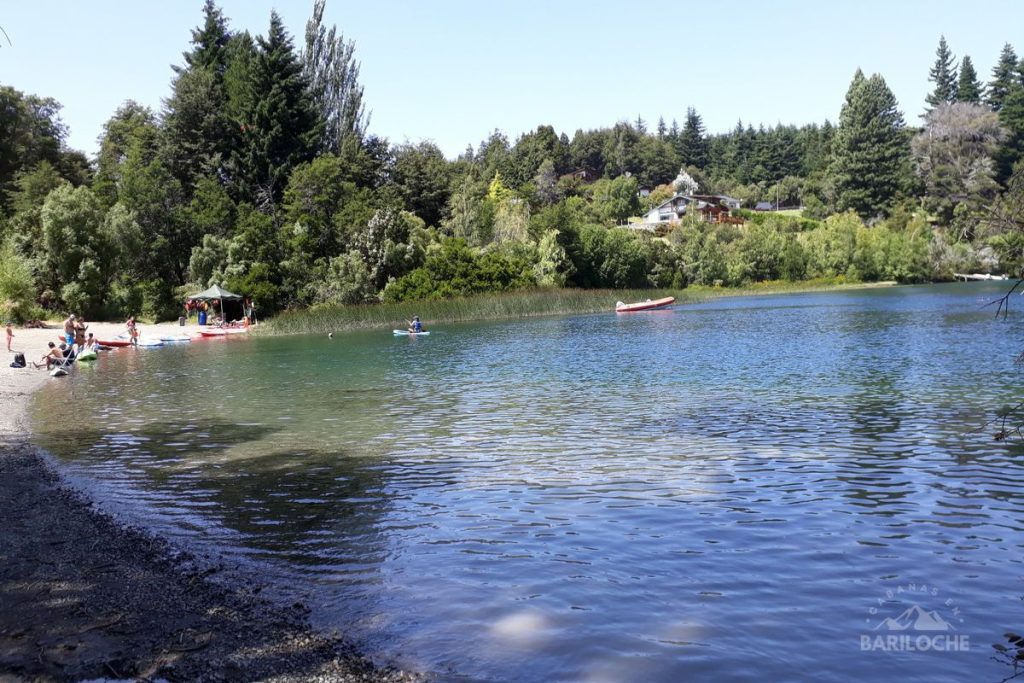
(968, 87)
(195, 136)
(210, 41)
(662, 128)
(281, 128)
(870, 151)
(692, 145)
(943, 75)
(1003, 74)
(1011, 117)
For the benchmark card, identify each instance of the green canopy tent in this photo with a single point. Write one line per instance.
(216, 293)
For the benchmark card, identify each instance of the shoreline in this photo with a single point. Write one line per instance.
(83, 596)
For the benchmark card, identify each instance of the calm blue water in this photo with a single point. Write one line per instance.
(723, 491)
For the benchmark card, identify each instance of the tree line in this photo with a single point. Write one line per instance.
(259, 173)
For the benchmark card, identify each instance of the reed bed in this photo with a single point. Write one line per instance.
(506, 306)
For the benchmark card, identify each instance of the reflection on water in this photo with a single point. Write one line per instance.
(719, 491)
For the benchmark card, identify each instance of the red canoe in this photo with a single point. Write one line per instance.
(644, 305)
(118, 343)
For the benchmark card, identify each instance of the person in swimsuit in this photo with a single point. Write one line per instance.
(133, 331)
(69, 329)
(54, 355)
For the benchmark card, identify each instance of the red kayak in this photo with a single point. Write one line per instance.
(644, 305)
(118, 343)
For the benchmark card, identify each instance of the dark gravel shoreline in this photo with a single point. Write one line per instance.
(83, 597)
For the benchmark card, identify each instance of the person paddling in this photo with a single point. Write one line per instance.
(415, 326)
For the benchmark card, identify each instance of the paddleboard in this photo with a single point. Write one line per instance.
(174, 338)
(150, 342)
(407, 333)
(223, 332)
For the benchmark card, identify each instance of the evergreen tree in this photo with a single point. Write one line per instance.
(281, 128)
(333, 75)
(1003, 76)
(662, 128)
(943, 75)
(1011, 116)
(195, 136)
(210, 42)
(692, 146)
(968, 87)
(870, 151)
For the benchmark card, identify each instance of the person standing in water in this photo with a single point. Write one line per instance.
(69, 330)
(133, 331)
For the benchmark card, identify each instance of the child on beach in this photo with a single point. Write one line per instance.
(10, 336)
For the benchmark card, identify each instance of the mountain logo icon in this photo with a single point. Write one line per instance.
(917, 619)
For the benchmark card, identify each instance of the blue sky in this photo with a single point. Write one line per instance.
(452, 71)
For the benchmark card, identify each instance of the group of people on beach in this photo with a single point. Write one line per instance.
(75, 341)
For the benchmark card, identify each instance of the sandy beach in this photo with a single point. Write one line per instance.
(83, 597)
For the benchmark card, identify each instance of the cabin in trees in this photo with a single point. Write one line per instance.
(713, 208)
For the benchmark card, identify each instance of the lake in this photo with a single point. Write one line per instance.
(762, 488)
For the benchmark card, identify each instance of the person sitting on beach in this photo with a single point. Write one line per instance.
(52, 356)
(415, 325)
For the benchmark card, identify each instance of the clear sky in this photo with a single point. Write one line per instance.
(452, 71)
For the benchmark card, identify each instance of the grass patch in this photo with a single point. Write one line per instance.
(508, 306)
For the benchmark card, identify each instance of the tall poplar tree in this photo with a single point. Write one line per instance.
(968, 87)
(333, 74)
(1003, 76)
(281, 128)
(943, 75)
(870, 151)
